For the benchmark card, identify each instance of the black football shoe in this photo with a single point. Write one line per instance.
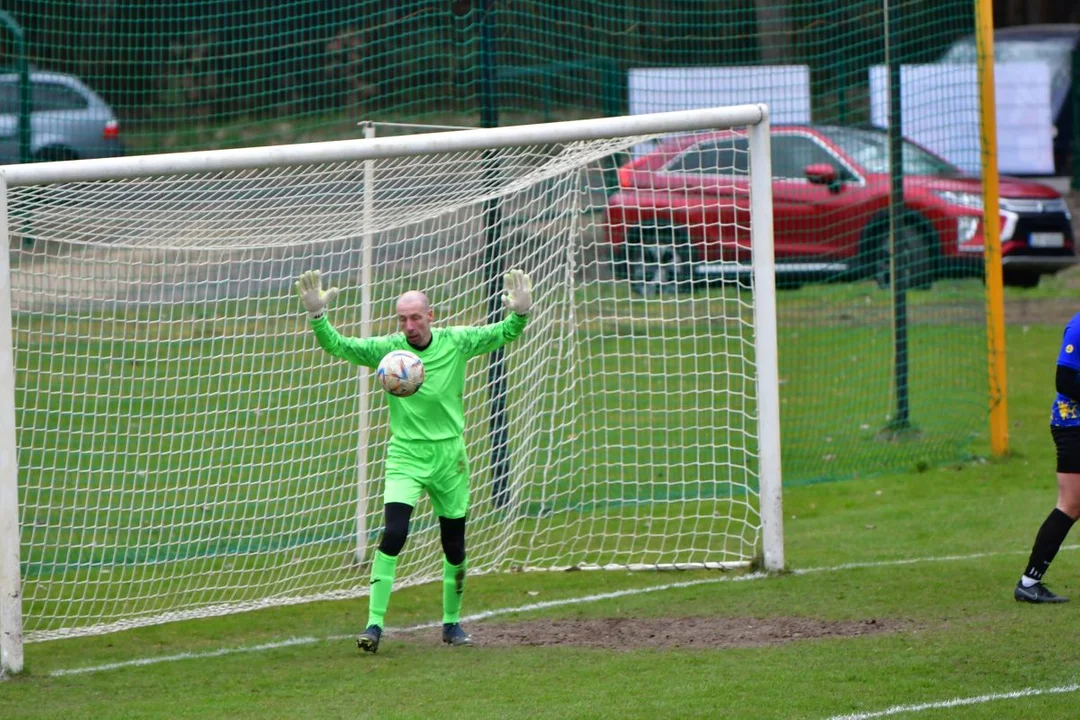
(454, 634)
(368, 641)
(1037, 593)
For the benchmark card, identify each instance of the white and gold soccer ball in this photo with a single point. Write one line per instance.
(401, 373)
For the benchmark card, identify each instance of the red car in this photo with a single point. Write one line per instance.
(681, 213)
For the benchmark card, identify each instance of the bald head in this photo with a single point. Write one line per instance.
(413, 299)
(415, 317)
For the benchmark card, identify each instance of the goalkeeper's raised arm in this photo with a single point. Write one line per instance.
(517, 298)
(359, 351)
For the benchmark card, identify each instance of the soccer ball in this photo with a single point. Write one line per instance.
(401, 373)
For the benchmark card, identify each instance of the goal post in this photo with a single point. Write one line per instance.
(11, 625)
(186, 450)
(766, 344)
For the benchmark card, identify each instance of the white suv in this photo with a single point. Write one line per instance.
(68, 120)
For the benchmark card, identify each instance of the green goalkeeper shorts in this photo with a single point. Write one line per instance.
(438, 467)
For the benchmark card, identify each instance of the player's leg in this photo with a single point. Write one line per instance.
(452, 534)
(383, 570)
(384, 564)
(402, 491)
(1056, 527)
(450, 499)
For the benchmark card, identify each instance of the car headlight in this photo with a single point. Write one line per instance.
(963, 199)
(966, 227)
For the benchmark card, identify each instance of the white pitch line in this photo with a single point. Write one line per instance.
(186, 656)
(530, 608)
(959, 702)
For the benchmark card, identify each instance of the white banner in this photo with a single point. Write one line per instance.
(785, 88)
(940, 105)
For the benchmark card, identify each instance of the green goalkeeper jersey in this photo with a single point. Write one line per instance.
(436, 411)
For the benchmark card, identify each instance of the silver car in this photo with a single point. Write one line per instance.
(68, 120)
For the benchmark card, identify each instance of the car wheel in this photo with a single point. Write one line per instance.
(655, 267)
(914, 248)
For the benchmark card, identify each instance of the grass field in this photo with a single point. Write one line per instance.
(899, 594)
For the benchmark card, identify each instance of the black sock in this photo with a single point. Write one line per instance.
(1047, 543)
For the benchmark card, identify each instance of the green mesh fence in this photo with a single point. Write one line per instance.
(882, 366)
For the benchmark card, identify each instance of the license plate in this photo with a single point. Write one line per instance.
(1046, 240)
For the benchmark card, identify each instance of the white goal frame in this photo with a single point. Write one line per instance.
(755, 117)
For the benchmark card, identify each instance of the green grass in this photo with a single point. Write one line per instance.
(964, 636)
(959, 635)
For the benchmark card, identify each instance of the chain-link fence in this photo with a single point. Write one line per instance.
(883, 304)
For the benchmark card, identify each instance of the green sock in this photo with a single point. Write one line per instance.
(453, 587)
(383, 568)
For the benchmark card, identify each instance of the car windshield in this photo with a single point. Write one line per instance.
(1056, 52)
(870, 149)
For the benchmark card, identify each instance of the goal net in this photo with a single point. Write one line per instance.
(185, 449)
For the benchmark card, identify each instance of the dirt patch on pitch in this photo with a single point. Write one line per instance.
(690, 633)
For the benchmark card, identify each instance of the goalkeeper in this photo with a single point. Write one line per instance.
(426, 452)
